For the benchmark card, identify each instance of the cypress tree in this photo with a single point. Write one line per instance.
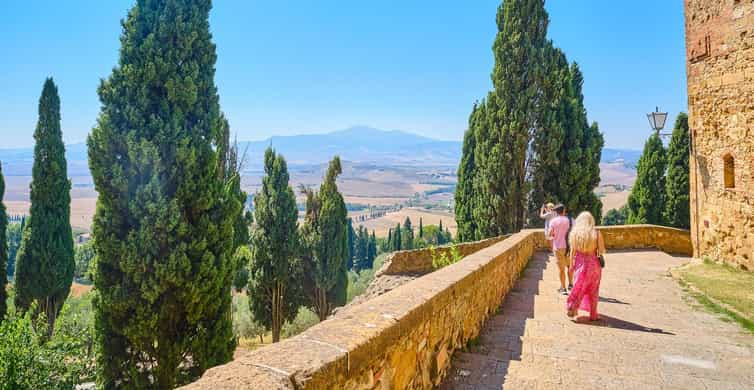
(274, 270)
(647, 200)
(677, 201)
(408, 233)
(517, 78)
(168, 215)
(44, 263)
(421, 228)
(593, 143)
(326, 240)
(553, 121)
(465, 192)
(351, 237)
(3, 248)
(372, 250)
(397, 238)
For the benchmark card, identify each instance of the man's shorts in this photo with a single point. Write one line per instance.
(562, 257)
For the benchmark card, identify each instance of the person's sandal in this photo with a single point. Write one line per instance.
(571, 313)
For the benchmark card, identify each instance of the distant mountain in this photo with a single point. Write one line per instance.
(358, 144)
(629, 157)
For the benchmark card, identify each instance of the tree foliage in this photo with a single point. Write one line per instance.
(44, 262)
(83, 257)
(274, 271)
(325, 241)
(528, 141)
(13, 239)
(169, 209)
(3, 249)
(677, 200)
(647, 200)
(616, 217)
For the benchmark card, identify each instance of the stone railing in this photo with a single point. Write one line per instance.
(669, 240)
(419, 261)
(405, 337)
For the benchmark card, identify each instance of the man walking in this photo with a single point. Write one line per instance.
(559, 228)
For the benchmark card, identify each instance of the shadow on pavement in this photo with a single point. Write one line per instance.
(613, 300)
(612, 322)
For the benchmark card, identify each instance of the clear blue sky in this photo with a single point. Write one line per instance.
(303, 66)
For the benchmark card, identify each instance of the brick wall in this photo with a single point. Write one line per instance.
(720, 70)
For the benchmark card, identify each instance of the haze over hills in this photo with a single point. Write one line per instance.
(358, 144)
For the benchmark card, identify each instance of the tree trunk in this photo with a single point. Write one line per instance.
(277, 311)
(322, 306)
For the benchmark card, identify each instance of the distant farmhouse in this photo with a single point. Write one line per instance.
(720, 69)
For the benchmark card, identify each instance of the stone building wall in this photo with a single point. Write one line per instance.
(720, 70)
(405, 338)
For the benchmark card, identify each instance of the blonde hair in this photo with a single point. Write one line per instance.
(583, 237)
(550, 205)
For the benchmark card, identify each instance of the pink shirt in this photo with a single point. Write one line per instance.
(559, 232)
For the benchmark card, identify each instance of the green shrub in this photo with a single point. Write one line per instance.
(443, 258)
(28, 361)
(244, 325)
(358, 282)
(305, 318)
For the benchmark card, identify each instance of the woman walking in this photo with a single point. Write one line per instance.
(587, 245)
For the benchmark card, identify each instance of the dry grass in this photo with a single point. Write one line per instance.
(79, 290)
(82, 210)
(616, 173)
(614, 200)
(429, 217)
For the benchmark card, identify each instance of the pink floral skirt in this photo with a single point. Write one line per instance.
(586, 287)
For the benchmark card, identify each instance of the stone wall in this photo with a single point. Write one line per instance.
(419, 261)
(720, 70)
(668, 240)
(404, 339)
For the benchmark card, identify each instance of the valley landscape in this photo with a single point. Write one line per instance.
(393, 174)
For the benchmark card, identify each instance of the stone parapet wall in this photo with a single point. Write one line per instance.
(419, 261)
(668, 240)
(404, 339)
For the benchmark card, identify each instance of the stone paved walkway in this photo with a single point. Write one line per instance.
(649, 337)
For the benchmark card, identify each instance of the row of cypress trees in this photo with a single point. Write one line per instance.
(661, 192)
(169, 216)
(529, 141)
(362, 247)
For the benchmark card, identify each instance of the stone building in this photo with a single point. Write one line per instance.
(720, 70)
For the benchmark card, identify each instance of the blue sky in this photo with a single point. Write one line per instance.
(307, 66)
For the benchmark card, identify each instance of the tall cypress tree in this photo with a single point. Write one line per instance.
(517, 78)
(326, 237)
(44, 263)
(677, 201)
(465, 193)
(3, 248)
(169, 207)
(421, 228)
(372, 249)
(647, 200)
(397, 238)
(554, 120)
(274, 270)
(351, 242)
(408, 234)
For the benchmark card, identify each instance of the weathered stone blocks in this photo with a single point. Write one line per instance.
(404, 339)
(720, 70)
